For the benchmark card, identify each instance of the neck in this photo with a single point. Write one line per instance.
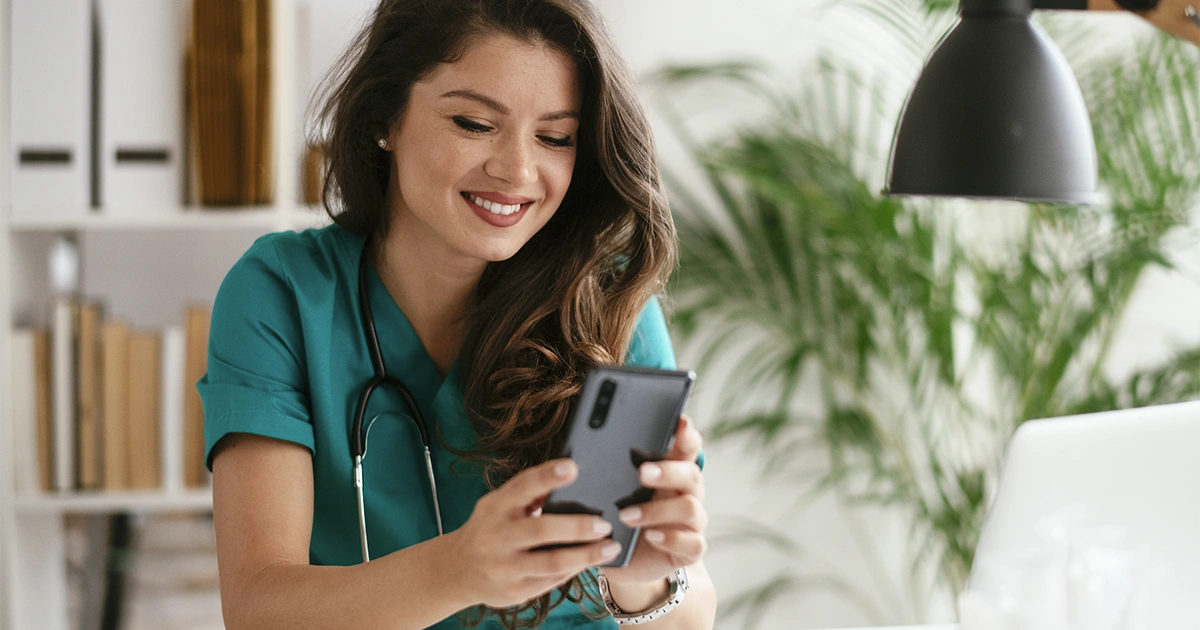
(434, 289)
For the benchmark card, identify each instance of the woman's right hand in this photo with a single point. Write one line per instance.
(494, 551)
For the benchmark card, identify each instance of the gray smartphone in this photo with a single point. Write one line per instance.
(623, 417)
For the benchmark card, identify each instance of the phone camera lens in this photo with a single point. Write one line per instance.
(603, 400)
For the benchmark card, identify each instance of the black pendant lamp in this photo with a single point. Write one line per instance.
(996, 114)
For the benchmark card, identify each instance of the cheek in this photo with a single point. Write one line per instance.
(558, 177)
(428, 163)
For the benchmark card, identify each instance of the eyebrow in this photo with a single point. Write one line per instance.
(492, 103)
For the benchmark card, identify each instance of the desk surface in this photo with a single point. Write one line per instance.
(943, 626)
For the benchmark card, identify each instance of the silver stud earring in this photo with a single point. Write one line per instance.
(383, 143)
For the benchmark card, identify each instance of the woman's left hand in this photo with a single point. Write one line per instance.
(673, 522)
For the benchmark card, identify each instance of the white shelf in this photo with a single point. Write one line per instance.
(104, 502)
(265, 218)
(119, 220)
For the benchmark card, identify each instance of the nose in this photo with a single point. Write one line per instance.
(514, 162)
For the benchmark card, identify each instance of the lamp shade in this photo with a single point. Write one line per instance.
(996, 114)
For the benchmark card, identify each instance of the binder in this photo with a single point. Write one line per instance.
(142, 47)
(145, 353)
(51, 107)
(195, 469)
(115, 356)
(89, 371)
(174, 362)
(64, 340)
(25, 412)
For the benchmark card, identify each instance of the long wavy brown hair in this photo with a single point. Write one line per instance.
(570, 298)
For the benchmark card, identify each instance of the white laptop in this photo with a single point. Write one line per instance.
(1081, 497)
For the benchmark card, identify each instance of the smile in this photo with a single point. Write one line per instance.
(491, 206)
(495, 213)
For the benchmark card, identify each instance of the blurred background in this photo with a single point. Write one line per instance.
(862, 360)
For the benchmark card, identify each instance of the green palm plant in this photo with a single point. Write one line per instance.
(877, 336)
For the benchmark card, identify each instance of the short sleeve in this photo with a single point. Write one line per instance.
(256, 378)
(651, 345)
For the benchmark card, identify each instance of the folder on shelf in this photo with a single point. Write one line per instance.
(141, 61)
(63, 346)
(25, 387)
(174, 351)
(229, 100)
(145, 353)
(89, 371)
(195, 470)
(51, 83)
(44, 373)
(115, 352)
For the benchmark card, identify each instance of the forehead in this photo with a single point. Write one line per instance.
(521, 75)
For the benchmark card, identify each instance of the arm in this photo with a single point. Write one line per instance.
(263, 508)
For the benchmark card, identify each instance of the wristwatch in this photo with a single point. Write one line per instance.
(677, 582)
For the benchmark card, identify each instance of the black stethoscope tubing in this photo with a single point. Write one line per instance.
(358, 437)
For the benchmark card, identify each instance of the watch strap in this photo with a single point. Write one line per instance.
(677, 584)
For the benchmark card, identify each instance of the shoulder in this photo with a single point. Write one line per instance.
(303, 253)
(651, 344)
(311, 260)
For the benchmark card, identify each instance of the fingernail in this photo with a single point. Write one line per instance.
(562, 469)
(655, 536)
(610, 549)
(650, 472)
(601, 526)
(631, 514)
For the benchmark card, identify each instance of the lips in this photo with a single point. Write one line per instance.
(497, 210)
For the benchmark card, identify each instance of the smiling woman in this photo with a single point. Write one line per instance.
(499, 228)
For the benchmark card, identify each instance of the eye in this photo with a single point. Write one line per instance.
(565, 141)
(470, 125)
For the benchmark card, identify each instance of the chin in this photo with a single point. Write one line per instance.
(499, 254)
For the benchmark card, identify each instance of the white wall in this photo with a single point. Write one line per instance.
(787, 34)
(865, 548)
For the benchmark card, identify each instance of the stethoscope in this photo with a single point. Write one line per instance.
(358, 436)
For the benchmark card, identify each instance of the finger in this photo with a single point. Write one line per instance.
(688, 441)
(688, 547)
(683, 476)
(532, 484)
(559, 529)
(685, 511)
(567, 561)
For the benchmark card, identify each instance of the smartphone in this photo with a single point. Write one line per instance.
(623, 417)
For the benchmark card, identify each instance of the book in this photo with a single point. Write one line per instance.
(63, 339)
(174, 351)
(44, 394)
(115, 353)
(25, 413)
(229, 101)
(195, 472)
(145, 353)
(88, 376)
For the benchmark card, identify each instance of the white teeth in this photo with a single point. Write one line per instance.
(494, 208)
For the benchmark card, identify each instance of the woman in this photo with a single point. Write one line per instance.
(498, 209)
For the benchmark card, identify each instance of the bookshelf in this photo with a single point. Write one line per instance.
(33, 574)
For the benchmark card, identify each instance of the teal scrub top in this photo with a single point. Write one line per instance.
(288, 360)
